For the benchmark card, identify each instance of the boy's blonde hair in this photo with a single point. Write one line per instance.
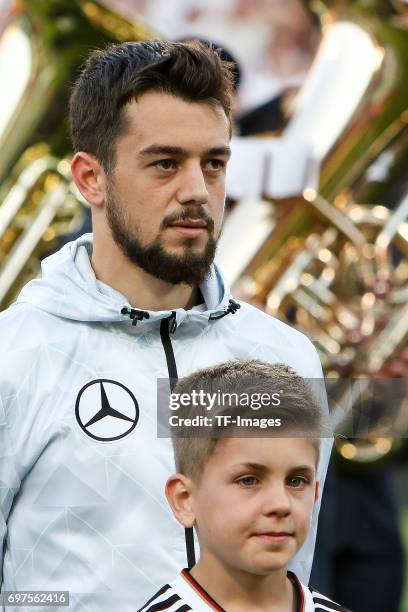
(298, 410)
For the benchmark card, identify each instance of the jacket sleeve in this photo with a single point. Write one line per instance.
(23, 434)
(9, 480)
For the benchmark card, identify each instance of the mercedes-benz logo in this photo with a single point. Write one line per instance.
(106, 410)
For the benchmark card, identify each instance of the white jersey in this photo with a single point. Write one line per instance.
(185, 594)
(82, 470)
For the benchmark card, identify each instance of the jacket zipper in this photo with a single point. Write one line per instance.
(168, 326)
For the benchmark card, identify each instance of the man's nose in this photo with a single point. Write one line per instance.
(192, 188)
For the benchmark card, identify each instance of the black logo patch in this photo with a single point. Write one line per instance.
(106, 410)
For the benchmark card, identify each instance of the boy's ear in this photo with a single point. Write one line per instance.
(316, 491)
(179, 496)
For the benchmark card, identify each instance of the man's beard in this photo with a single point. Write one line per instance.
(190, 268)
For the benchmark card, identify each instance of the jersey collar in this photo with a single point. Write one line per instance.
(206, 603)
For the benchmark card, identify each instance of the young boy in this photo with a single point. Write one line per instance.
(249, 498)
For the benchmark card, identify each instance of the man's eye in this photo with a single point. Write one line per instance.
(214, 164)
(297, 482)
(247, 481)
(164, 165)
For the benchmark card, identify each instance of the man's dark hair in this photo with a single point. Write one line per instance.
(299, 410)
(113, 77)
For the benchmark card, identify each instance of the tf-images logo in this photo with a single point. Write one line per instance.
(106, 410)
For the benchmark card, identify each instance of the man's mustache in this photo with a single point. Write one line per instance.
(193, 214)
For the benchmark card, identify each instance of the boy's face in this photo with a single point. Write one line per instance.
(254, 502)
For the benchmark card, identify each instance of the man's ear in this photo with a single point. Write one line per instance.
(316, 491)
(179, 496)
(89, 177)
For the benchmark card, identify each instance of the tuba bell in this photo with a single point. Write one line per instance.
(332, 258)
(42, 45)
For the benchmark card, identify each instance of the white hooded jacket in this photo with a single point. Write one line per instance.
(82, 471)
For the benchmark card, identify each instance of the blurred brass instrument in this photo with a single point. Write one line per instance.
(335, 263)
(42, 45)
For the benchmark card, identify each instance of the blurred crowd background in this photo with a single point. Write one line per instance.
(275, 43)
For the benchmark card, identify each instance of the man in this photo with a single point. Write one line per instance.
(82, 469)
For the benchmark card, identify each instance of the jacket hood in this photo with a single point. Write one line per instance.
(69, 288)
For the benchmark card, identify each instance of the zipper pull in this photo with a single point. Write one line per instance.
(172, 322)
(135, 314)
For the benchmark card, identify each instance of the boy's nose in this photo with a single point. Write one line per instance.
(277, 501)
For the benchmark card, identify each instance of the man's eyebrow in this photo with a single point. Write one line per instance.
(158, 149)
(219, 151)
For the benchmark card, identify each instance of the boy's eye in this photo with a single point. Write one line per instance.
(297, 482)
(247, 481)
(165, 165)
